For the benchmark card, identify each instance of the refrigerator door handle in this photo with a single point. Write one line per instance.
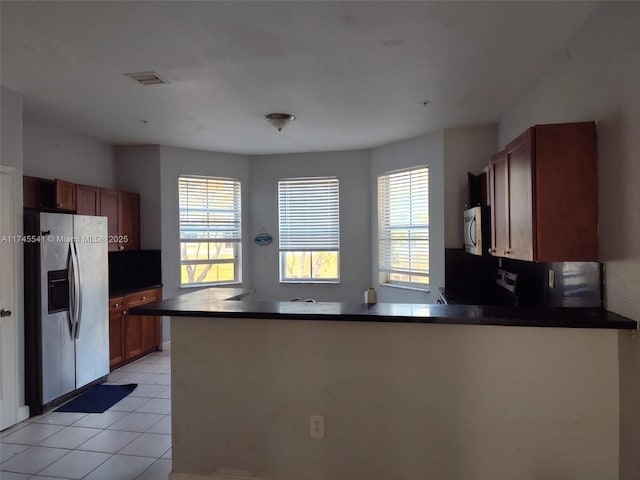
(77, 307)
(72, 294)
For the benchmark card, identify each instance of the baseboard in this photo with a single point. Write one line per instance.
(187, 476)
(165, 346)
(222, 474)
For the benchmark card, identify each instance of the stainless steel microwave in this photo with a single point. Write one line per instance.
(477, 230)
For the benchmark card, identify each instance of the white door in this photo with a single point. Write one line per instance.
(8, 324)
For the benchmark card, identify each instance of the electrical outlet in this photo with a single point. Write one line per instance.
(316, 426)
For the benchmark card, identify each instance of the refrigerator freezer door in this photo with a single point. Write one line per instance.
(92, 326)
(58, 354)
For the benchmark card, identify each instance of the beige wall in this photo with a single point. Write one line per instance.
(466, 149)
(11, 155)
(401, 401)
(424, 150)
(596, 78)
(52, 152)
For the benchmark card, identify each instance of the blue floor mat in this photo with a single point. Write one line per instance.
(98, 399)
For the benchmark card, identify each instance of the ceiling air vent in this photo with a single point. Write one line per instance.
(146, 78)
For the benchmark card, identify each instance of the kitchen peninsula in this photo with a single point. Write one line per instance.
(405, 391)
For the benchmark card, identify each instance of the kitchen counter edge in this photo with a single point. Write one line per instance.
(230, 303)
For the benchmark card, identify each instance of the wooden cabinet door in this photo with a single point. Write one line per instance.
(110, 208)
(148, 332)
(116, 336)
(133, 336)
(566, 192)
(116, 332)
(129, 221)
(499, 208)
(65, 195)
(142, 333)
(123, 212)
(520, 166)
(87, 200)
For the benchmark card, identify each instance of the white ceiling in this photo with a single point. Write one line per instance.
(353, 73)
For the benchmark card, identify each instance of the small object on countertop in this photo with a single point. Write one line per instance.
(370, 296)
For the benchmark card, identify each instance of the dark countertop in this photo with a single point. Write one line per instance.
(227, 303)
(127, 291)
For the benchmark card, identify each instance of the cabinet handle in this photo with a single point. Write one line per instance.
(116, 305)
(508, 252)
(120, 247)
(59, 205)
(143, 298)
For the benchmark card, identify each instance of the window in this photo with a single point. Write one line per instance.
(210, 230)
(309, 229)
(403, 228)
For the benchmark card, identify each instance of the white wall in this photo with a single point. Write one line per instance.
(597, 77)
(352, 169)
(50, 152)
(138, 170)
(11, 155)
(181, 161)
(401, 401)
(425, 150)
(466, 149)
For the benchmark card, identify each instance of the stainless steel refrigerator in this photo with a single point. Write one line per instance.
(66, 306)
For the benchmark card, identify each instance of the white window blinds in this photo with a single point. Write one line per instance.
(309, 214)
(209, 208)
(403, 227)
(210, 230)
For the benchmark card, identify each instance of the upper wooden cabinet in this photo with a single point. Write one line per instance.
(543, 192)
(36, 192)
(65, 195)
(130, 220)
(50, 195)
(87, 200)
(122, 210)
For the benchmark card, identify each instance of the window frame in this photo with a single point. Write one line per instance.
(417, 232)
(331, 232)
(235, 188)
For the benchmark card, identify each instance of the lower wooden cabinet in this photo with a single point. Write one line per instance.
(131, 336)
(116, 331)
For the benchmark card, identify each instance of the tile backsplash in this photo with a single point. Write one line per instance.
(472, 280)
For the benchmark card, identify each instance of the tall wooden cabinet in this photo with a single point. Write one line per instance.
(122, 210)
(543, 192)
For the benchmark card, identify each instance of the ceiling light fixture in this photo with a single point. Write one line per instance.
(279, 121)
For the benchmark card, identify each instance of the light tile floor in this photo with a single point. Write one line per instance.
(130, 441)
